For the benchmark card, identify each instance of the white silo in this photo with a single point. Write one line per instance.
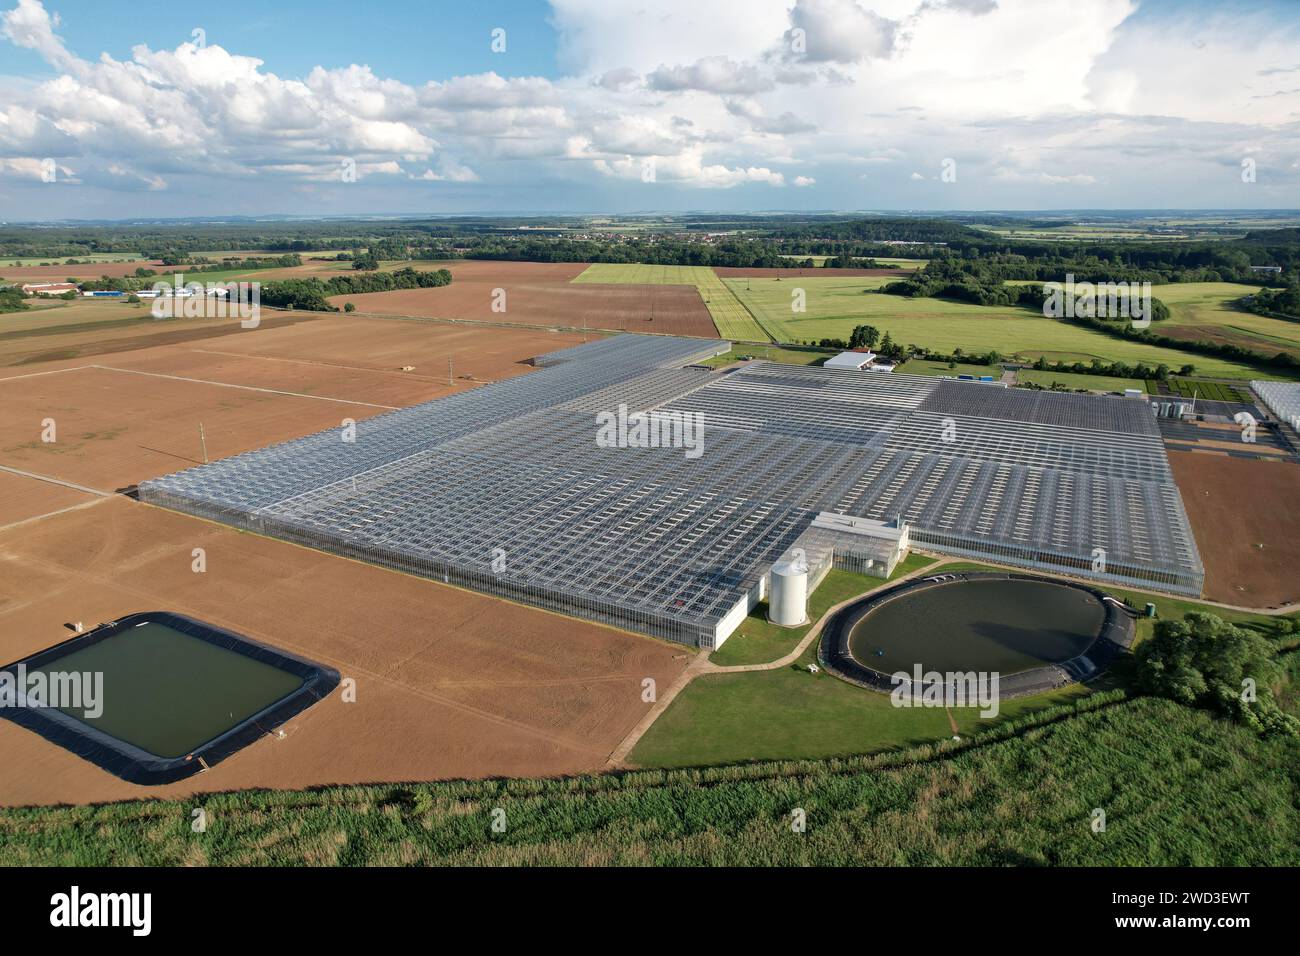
(787, 604)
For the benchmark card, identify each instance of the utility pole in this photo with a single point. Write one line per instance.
(203, 440)
(449, 377)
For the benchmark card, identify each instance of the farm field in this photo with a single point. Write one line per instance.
(116, 426)
(83, 329)
(927, 806)
(1205, 310)
(438, 698)
(124, 416)
(540, 294)
(461, 686)
(57, 273)
(1094, 383)
(731, 319)
(1247, 526)
(23, 498)
(835, 306)
(1190, 388)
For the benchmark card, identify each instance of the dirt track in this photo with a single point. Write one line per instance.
(1246, 518)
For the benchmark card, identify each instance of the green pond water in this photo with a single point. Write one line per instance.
(979, 625)
(169, 693)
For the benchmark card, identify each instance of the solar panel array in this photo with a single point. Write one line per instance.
(506, 489)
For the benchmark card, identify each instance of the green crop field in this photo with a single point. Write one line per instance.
(836, 305)
(732, 319)
(1179, 787)
(1207, 309)
(1216, 391)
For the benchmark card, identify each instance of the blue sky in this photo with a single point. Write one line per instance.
(411, 41)
(110, 109)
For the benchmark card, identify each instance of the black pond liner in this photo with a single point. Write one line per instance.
(1113, 638)
(138, 766)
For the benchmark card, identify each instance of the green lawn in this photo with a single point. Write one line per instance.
(790, 713)
(836, 305)
(1094, 383)
(917, 366)
(769, 353)
(732, 319)
(757, 641)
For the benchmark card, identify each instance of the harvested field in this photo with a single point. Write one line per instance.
(731, 319)
(540, 294)
(115, 427)
(93, 270)
(358, 359)
(122, 418)
(739, 272)
(449, 683)
(1247, 525)
(82, 330)
(23, 498)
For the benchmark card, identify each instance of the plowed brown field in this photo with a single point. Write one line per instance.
(540, 293)
(449, 683)
(1247, 524)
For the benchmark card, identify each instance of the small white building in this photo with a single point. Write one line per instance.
(857, 360)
